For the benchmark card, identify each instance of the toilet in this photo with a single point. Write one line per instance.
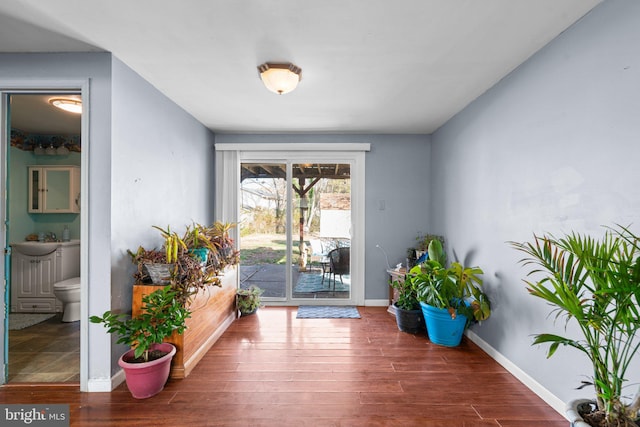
(68, 291)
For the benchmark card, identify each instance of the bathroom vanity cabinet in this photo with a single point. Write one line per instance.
(33, 276)
(54, 189)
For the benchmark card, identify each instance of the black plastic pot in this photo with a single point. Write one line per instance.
(410, 321)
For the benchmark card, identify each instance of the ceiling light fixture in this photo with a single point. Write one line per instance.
(280, 78)
(67, 104)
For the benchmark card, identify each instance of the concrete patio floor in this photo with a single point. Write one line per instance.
(271, 278)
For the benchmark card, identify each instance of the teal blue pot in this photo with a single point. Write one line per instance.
(442, 329)
(200, 254)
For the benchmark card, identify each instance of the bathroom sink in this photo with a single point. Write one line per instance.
(35, 248)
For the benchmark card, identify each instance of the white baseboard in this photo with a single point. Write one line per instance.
(522, 376)
(105, 384)
(376, 302)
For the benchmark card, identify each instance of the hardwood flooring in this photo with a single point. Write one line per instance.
(46, 352)
(271, 369)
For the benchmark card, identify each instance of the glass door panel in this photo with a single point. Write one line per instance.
(263, 222)
(321, 231)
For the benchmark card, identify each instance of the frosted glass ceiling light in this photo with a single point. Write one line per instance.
(280, 78)
(67, 104)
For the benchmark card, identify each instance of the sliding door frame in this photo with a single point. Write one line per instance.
(228, 160)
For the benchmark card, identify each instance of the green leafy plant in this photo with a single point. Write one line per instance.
(249, 300)
(423, 240)
(407, 293)
(162, 314)
(596, 284)
(172, 244)
(456, 288)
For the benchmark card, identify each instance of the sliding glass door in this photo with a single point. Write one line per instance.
(295, 222)
(300, 216)
(263, 223)
(321, 230)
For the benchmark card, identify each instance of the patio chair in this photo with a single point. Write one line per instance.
(339, 264)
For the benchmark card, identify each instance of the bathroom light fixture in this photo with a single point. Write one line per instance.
(50, 150)
(68, 104)
(62, 150)
(280, 78)
(39, 150)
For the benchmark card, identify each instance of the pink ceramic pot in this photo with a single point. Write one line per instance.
(147, 379)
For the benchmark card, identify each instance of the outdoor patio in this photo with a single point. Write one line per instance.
(308, 284)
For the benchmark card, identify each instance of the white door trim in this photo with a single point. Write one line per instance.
(228, 183)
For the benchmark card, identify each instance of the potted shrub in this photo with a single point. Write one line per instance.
(249, 300)
(594, 283)
(451, 298)
(147, 364)
(407, 307)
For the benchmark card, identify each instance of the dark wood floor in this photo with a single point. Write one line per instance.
(271, 369)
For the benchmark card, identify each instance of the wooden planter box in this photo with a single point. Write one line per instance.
(213, 310)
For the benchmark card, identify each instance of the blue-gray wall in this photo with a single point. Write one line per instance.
(553, 147)
(161, 174)
(149, 163)
(397, 171)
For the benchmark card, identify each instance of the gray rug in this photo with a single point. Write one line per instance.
(327, 312)
(312, 282)
(19, 321)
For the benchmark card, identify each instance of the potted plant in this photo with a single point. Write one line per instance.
(198, 243)
(219, 236)
(594, 283)
(147, 364)
(451, 298)
(249, 300)
(182, 268)
(407, 307)
(423, 240)
(206, 287)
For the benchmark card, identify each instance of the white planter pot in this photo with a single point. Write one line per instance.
(572, 412)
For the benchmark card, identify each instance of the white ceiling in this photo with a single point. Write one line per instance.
(368, 66)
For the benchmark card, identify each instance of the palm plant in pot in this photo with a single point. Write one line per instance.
(451, 298)
(594, 283)
(407, 307)
(148, 363)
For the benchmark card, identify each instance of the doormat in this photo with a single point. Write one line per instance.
(327, 312)
(19, 321)
(310, 282)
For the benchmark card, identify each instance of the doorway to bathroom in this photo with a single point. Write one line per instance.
(42, 236)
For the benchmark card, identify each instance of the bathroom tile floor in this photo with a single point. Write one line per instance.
(48, 352)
